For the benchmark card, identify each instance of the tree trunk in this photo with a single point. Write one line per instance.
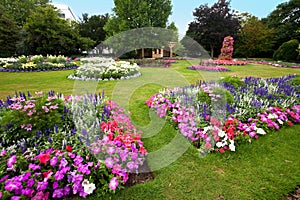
(143, 52)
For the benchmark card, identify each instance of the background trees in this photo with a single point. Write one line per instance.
(47, 33)
(212, 24)
(255, 38)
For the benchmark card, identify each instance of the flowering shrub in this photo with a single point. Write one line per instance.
(208, 68)
(38, 63)
(105, 69)
(216, 119)
(92, 146)
(227, 49)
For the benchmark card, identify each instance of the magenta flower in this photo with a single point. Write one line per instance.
(53, 161)
(34, 167)
(58, 193)
(113, 184)
(42, 186)
(30, 182)
(11, 161)
(109, 162)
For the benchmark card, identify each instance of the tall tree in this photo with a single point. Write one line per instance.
(255, 39)
(19, 10)
(92, 27)
(131, 14)
(212, 24)
(285, 19)
(8, 34)
(47, 33)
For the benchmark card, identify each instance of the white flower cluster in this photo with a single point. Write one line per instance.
(104, 69)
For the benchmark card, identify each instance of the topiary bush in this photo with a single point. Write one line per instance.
(288, 51)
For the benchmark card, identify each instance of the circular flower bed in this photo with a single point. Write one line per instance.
(105, 69)
(54, 146)
(229, 62)
(208, 68)
(37, 63)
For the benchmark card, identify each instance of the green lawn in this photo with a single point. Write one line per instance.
(267, 169)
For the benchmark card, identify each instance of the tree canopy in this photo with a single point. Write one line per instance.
(255, 39)
(131, 14)
(47, 33)
(285, 19)
(212, 24)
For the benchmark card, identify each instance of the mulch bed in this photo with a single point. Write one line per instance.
(294, 195)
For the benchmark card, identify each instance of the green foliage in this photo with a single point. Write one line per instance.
(47, 33)
(235, 81)
(131, 14)
(8, 34)
(212, 24)
(287, 51)
(285, 20)
(256, 39)
(203, 97)
(226, 96)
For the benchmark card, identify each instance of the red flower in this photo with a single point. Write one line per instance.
(45, 174)
(222, 150)
(44, 158)
(69, 148)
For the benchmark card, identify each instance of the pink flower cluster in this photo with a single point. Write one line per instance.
(208, 68)
(227, 49)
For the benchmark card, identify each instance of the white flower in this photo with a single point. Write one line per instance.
(221, 133)
(261, 131)
(220, 144)
(231, 146)
(88, 187)
(280, 121)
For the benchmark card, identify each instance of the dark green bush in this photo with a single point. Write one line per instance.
(287, 51)
(235, 81)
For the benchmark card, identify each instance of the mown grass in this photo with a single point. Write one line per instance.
(267, 169)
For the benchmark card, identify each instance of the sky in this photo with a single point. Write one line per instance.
(182, 12)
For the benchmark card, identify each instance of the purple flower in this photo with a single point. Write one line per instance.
(27, 192)
(11, 161)
(58, 193)
(55, 185)
(53, 161)
(58, 176)
(110, 150)
(113, 184)
(66, 190)
(30, 182)
(109, 162)
(63, 163)
(77, 179)
(12, 185)
(0, 195)
(78, 160)
(34, 167)
(4, 178)
(26, 176)
(42, 186)
(14, 198)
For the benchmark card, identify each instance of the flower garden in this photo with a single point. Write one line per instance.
(58, 145)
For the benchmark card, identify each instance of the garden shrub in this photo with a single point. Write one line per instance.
(234, 81)
(287, 51)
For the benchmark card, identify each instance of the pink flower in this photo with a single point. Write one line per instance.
(113, 184)
(11, 161)
(28, 127)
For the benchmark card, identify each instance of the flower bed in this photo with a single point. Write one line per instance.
(37, 63)
(38, 162)
(217, 116)
(208, 68)
(104, 69)
(279, 64)
(228, 62)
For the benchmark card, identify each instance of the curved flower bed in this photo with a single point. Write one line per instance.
(208, 68)
(218, 116)
(37, 63)
(279, 64)
(104, 69)
(38, 162)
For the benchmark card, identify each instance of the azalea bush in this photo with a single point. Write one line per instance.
(74, 146)
(99, 69)
(37, 63)
(216, 116)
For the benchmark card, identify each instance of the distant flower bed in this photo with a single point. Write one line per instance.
(54, 147)
(228, 62)
(208, 68)
(104, 69)
(279, 64)
(36, 63)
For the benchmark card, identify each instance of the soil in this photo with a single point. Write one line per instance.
(294, 195)
(142, 177)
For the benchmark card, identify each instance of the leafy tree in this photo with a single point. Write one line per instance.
(255, 39)
(92, 27)
(131, 14)
(8, 34)
(47, 33)
(212, 24)
(288, 51)
(19, 10)
(285, 20)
